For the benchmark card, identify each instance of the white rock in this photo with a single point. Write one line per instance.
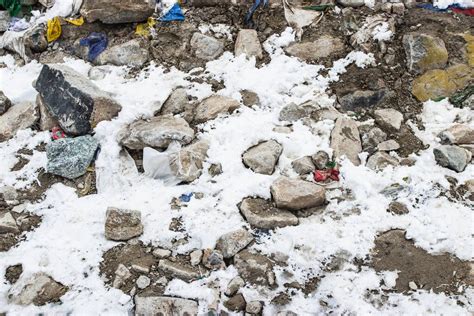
(196, 257)
(122, 274)
(231, 243)
(211, 107)
(161, 305)
(8, 223)
(296, 194)
(161, 253)
(458, 134)
(263, 157)
(234, 286)
(389, 118)
(388, 145)
(380, 160)
(18, 117)
(247, 42)
(143, 282)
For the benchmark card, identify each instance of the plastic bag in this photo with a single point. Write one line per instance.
(157, 164)
(12, 6)
(54, 29)
(97, 43)
(77, 22)
(143, 29)
(174, 14)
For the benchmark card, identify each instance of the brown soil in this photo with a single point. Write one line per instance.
(26, 222)
(440, 273)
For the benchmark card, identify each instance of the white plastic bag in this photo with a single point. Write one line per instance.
(157, 164)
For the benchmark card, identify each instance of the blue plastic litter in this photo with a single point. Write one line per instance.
(248, 17)
(174, 14)
(186, 197)
(431, 7)
(97, 43)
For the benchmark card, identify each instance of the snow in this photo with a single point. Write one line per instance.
(70, 241)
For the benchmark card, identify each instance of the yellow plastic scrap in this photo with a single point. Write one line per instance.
(77, 22)
(54, 29)
(144, 28)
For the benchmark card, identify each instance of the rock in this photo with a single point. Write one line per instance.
(40, 289)
(324, 46)
(73, 100)
(18, 117)
(114, 12)
(5, 102)
(206, 47)
(254, 307)
(130, 53)
(187, 163)
(303, 165)
(398, 8)
(255, 268)
(46, 121)
(178, 103)
(458, 134)
(389, 118)
(294, 112)
(13, 273)
(157, 132)
(380, 160)
(234, 286)
(362, 99)
(35, 40)
(345, 140)
(4, 21)
(424, 52)
(231, 243)
(8, 224)
(452, 157)
(249, 98)
(163, 305)
(196, 257)
(211, 107)
(180, 271)
(398, 208)
(70, 157)
(121, 225)
(320, 160)
(122, 274)
(236, 303)
(263, 157)
(351, 3)
(247, 42)
(388, 145)
(283, 129)
(213, 259)
(437, 83)
(295, 194)
(143, 282)
(215, 169)
(161, 253)
(469, 148)
(262, 214)
(372, 138)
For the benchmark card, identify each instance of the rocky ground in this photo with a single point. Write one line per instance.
(309, 162)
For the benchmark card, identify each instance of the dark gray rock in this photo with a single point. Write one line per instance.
(303, 165)
(70, 157)
(371, 138)
(231, 243)
(116, 11)
(73, 100)
(5, 103)
(452, 157)
(362, 99)
(206, 47)
(320, 159)
(236, 303)
(398, 208)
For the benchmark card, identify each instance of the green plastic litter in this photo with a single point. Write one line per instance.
(331, 165)
(322, 7)
(458, 98)
(12, 6)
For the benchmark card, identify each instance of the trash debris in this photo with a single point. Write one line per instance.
(57, 133)
(12, 6)
(14, 41)
(456, 8)
(143, 29)
(329, 173)
(18, 25)
(248, 18)
(54, 29)
(174, 14)
(321, 7)
(186, 197)
(300, 18)
(97, 43)
(77, 22)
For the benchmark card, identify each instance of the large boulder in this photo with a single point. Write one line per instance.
(39, 289)
(424, 52)
(5, 103)
(263, 157)
(323, 47)
(231, 243)
(131, 53)
(70, 157)
(247, 43)
(163, 305)
(296, 194)
(77, 103)
(452, 157)
(211, 107)
(18, 117)
(206, 47)
(345, 140)
(122, 225)
(113, 11)
(157, 132)
(261, 213)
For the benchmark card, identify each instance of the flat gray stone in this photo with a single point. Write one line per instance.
(211, 107)
(380, 160)
(39, 289)
(163, 305)
(116, 11)
(18, 117)
(303, 165)
(247, 43)
(131, 53)
(452, 157)
(324, 46)
(261, 213)
(389, 118)
(345, 140)
(122, 225)
(458, 134)
(8, 223)
(206, 47)
(255, 268)
(231, 243)
(296, 194)
(263, 157)
(180, 271)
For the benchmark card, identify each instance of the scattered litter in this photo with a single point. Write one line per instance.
(321, 7)
(143, 29)
(12, 6)
(97, 43)
(54, 29)
(329, 173)
(18, 25)
(249, 16)
(14, 41)
(186, 197)
(157, 164)
(77, 22)
(174, 14)
(57, 133)
(300, 18)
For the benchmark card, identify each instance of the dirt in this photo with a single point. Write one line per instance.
(439, 273)
(26, 222)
